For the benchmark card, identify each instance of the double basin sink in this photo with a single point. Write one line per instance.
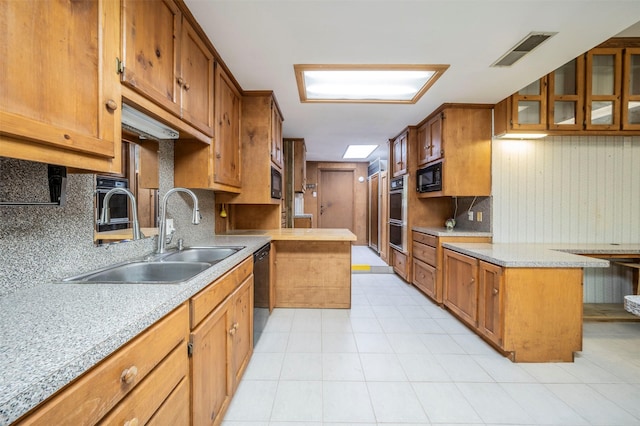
(167, 268)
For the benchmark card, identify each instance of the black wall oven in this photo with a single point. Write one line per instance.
(118, 204)
(398, 213)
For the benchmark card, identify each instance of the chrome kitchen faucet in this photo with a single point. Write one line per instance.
(163, 216)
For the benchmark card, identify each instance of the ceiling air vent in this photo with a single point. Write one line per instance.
(526, 45)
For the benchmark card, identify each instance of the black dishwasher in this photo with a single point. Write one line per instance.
(261, 274)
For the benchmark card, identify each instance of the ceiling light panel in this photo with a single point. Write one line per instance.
(365, 83)
(359, 152)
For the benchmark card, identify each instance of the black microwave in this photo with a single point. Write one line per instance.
(429, 179)
(276, 183)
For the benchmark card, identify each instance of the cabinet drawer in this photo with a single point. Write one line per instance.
(424, 277)
(141, 404)
(175, 409)
(97, 392)
(429, 240)
(206, 301)
(400, 263)
(425, 253)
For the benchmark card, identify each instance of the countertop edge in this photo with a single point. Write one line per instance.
(526, 255)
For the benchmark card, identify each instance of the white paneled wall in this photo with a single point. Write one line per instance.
(570, 190)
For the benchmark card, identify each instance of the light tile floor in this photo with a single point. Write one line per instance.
(396, 358)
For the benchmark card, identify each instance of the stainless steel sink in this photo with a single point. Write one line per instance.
(170, 268)
(141, 272)
(211, 255)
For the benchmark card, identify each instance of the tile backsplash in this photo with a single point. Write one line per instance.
(44, 243)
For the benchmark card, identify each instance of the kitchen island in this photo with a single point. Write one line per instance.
(311, 266)
(525, 299)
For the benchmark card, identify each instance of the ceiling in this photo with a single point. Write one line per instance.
(261, 40)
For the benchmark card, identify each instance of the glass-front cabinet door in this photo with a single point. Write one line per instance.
(631, 90)
(529, 106)
(603, 89)
(566, 96)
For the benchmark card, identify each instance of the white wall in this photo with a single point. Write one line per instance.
(573, 190)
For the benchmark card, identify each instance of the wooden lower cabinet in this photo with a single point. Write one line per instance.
(312, 274)
(400, 264)
(490, 302)
(461, 286)
(221, 343)
(529, 314)
(427, 261)
(140, 382)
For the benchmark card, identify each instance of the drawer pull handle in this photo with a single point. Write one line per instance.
(132, 422)
(495, 291)
(129, 375)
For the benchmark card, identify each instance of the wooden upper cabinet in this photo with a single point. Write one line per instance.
(227, 140)
(566, 96)
(529, 107)
(631, 89)
(166, 60)
(277, 152)
(603, 92)
(460, 138)
(59, 89)
(399, 151)
(430, 140)
(150, 50)
(196, 80)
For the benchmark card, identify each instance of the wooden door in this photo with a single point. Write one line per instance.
(150, 50)
(490, 300)
(59, 83)
(434, 138)
(460, 286)
(196, 79)
(383, 246)
(277, 154)
(227, 141)
(212, 382)
(243, 329)
(374, 209)
(336, 199)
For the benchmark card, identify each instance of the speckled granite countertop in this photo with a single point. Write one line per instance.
(542, 255)
(443, 232)
(54, 332)
(632, 304)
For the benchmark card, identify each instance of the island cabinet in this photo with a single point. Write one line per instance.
(167, 61)
(221, 342)
(459, 137)
(61, 100)
(144, 382)
(217, 165)
(529, 314)
(428, 260)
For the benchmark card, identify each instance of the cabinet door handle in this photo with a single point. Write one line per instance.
(186, 86)
(180, 81)
(129, 375)
(495, 291)
(132, 422)
(111, 105)
(232, 331)
(218, 155)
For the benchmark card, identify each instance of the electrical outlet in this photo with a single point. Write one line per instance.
(471, 216)
(479, 216)
(169, 228)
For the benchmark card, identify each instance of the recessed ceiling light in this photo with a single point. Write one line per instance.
(365, 83)
(359, 152)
